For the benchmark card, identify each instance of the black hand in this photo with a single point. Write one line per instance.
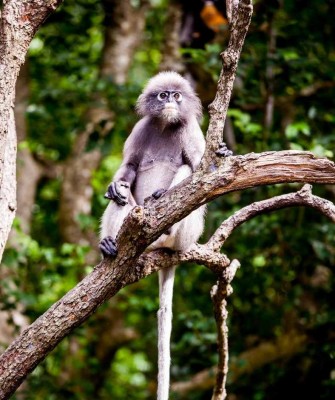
(158, 193)
(114, 194)
(223, 150)
(108, 247)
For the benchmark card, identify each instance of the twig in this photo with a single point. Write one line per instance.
(303, 197)
(219, 295)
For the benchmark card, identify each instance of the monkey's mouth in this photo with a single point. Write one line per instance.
(170, 112)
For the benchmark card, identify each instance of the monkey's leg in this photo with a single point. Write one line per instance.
(114, 216)
(190, 229)
(166, 280)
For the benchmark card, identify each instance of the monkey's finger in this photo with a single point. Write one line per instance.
(223, 150)
(107, 195)
(117, 195)
(108, 247)
(113, 194)
(158, 193)
(120, 202)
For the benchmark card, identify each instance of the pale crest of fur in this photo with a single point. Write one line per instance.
(169, 80)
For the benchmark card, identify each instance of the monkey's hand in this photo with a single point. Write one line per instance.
(223, 150)
(158, 193)
(119, 192)
(108, 247)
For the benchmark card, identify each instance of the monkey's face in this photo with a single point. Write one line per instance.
(170, 98)
(169, 103)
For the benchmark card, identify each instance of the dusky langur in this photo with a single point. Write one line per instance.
(165, 147)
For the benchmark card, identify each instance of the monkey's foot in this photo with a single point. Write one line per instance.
(223, 150)
(158, 193)
(108, 247)
(116, 191)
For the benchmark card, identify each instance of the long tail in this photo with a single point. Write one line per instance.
(166, 280)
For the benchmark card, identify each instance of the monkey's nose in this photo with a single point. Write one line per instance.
(170, 105)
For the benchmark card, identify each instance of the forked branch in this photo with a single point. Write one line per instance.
(239, 24)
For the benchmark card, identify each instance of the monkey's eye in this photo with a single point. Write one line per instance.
(162, 96)
(178, 97)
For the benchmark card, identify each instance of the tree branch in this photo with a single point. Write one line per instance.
(218, 108)
(19, 21)
(219, 295)
(142, 226)
(232, 174)
(303, 197)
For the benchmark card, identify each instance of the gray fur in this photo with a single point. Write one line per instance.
(165, 147)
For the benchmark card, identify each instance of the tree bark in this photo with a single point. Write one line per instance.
(8, 186)
(19, 21)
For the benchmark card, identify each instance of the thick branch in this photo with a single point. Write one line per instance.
(236, 173)
(142, 226)
(8, 187)
(19, 21)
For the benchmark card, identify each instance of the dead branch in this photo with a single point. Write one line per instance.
(219, 295)
(303, 197)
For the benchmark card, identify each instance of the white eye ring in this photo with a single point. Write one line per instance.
(162, 96)
(178, 97)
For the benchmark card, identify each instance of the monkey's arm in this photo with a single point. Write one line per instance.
(126, 174)
(193, 145)
(124, 177)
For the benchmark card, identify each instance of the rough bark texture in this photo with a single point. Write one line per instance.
(218, 108)
(142, 227)
(219, 294)
(19, 21)
(8, 186)
(237, 173)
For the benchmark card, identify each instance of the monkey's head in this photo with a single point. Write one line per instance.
(169, 97)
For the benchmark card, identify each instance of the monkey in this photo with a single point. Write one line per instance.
(165, 147)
